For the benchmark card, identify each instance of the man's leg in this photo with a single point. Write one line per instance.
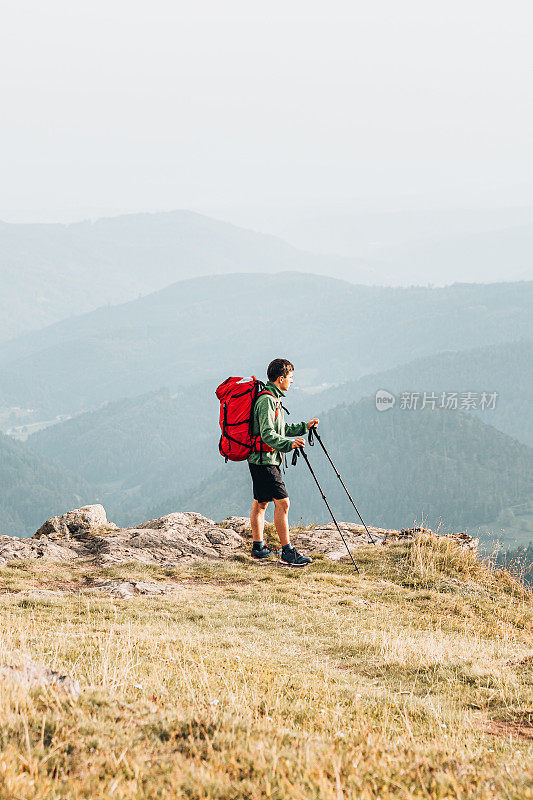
(281, 519)
(290, 557)
(257, 520)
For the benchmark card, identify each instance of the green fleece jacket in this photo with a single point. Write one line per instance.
(272, 429)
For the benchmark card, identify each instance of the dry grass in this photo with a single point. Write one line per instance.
(433, 558)
(256, 682)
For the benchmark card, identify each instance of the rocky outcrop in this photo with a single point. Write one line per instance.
(85, 534)
(463, 540)
(240, 525)
(325, 538)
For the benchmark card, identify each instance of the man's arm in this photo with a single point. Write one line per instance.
(295, 428)
(266, 411)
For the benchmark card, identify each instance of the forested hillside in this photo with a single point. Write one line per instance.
(135, 450)
(504, 368)
(332, 330)
(401, 466)
(32, 489)
(152, 452)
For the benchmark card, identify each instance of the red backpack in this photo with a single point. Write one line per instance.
(237, 398)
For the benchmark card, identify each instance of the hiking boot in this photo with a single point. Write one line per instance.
(292, 558)
(260, 552)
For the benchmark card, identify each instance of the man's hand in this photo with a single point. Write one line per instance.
(298, 442)
(312, 422)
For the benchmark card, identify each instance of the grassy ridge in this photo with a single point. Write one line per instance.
(410, 681)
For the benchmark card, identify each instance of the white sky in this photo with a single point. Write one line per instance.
(113, 105)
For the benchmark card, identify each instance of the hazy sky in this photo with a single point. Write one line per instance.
(116, 105)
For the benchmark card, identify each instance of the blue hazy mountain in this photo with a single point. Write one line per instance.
(502, 368)
(33, 488)
(402, 467)
(208, 328)
(50, 272)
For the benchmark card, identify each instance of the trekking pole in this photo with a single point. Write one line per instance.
(337, 473)
(300, 451)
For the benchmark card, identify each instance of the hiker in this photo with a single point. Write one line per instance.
(269, 424)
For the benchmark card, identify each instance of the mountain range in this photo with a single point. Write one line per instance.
(176, 434)
(208, 328)
(50, 272)
(501, 368)
(432, 467)
(437, 246)
(33, 488)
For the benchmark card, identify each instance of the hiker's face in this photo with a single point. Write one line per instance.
(285, 381)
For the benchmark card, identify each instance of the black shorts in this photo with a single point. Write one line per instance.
(267, 482)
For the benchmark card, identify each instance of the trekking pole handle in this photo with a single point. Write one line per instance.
(297, 451)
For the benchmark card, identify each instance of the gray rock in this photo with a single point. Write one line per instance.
(11, 547)
(128, 589)
(238, 524)
(325, 539)
(462, 540)
(84, 518)
(166, 541)
(85, 534)
(32, 675)
(43, 594)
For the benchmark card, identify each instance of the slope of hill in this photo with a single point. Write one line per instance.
(504, 368)
(402, 467)
(53, 271)
(134, 450)
(233, 679)
(33, 489)
(332, 330)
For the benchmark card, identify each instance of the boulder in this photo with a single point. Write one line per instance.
(11, 547)
(84, 518)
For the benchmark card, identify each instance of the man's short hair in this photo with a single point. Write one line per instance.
(279, 368)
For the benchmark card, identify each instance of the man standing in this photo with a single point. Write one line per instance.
(269, 424)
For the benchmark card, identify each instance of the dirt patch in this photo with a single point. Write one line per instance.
(526, 660)
(521, 728)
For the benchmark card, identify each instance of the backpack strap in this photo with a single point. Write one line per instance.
(266, 391)
(278, 405)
